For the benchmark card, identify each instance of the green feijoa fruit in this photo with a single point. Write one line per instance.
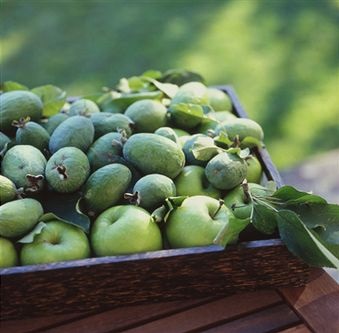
(254, 169)
(8, 254)
(241, 128)
(152, 190)
(57, 241)
(83, 107)
(18, 104)
(196, 140)
(147, 115)
(105, 122)
(225, 171)
(31, 133)
(7, 190)
(4, 140)
(105, 150)
(180, 132)
(76, 131)
(239, 201)
(25, 166)
(192, 181)
(105, 187)
(191, 92)
(223, 116)
(53, 122)
(168, 133)
(152, 153)
(18, 217)
(218, 100)
(67, 170)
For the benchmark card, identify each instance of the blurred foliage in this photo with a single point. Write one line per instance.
(281, 56)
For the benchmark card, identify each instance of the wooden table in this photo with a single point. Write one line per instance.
(313, 308)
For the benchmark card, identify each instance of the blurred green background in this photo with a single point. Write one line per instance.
(282, 57)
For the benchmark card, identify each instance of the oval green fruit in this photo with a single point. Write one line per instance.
(225, 171)
(219, 100)
(18, 217)
(21, 161)
(168, 133)
(192, 92)
(105, 187)
(196, 141)
(8, 254)
(83, 107)
(151, 153)
(58, 241)
(105, 150)
(54, 121)
(153, 190)
(67, 170)
(7, 190)
(76, 131)
(147, 115)
(18, 104)
(254, 169)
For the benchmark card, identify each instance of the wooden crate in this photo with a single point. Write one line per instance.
(97, 283)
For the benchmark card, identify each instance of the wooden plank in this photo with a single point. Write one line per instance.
(317, 303)
(267, 320)
(301, 328)
(122, 317)
(208, 314)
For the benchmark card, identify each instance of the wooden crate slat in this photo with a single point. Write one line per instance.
(301, 328)
(203, 316)
(270, 319)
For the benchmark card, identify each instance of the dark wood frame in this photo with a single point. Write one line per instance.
(97, 283)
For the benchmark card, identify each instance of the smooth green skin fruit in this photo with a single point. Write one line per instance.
(147, 115)
(18, 104)
(53, 122)
(192, 181)
(58, 241)
(203, 140)
(180, 132)
(191, 92)
(222, 116)
(168, 133)
(242, 127)
(237, 202)
(21, 160)
(152, 153)
(225, 171)
(7, 190)
(83, 107)
(18, 217)
(218, 100)
(254, 169)
(105, 122)
(105, 187)
(67, 170)
(183, 139)
(76, 131)
(194, 224)
(8, 254)
(153, 190)
(4, 139)
(125, 230)
(32, 134)
(105, 150)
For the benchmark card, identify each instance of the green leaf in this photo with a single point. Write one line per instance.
(206, 153)
(222, 140)
(330, 237)
(29, 238)
(64, 207)
(251, 141)
(229, 233)
(168, 89)
(152, 74)
(53, 98)
(264, 218)
(302, 242)
(290, 195)
(161, 214)
(11, 85)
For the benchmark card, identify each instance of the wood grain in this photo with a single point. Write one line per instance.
(317, 302)
(301, 328)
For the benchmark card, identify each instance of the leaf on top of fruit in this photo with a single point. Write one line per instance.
(64, 207)
(152, 74)
(251, 141)
(207, 109)
(29, 238)
(303, 242)
(180, 76)
(222, 140)
(188, 109)
(242, 153)
(206, 153)
(11, 85)
(53, 98)
(169, 89)
(162, 213)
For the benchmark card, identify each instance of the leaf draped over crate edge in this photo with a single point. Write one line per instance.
(53, 98)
